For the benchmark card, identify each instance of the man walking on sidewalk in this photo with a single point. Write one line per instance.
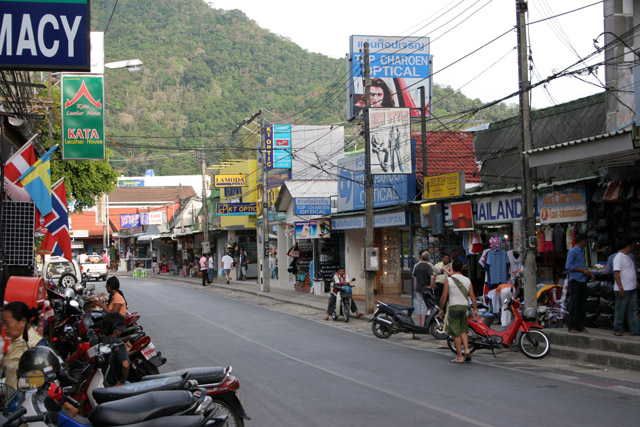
(204, 265)
(625, 290)
(227, 265)
(578, 276)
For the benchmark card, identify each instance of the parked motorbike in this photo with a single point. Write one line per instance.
(343, 300)
(533, 343)
(220, 385)
(389, 319)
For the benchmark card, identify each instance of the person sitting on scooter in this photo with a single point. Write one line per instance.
(340, 278)
(119, 365)
(458, 288)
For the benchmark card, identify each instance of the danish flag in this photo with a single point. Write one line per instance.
(22, 160)
(57, 222)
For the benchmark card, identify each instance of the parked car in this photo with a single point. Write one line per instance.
(94, 268)
(63, 271)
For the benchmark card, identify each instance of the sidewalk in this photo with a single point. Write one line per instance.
(598, 346)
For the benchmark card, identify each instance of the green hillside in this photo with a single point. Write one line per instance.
(205, 70)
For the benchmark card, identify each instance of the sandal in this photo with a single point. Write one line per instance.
(457, 361)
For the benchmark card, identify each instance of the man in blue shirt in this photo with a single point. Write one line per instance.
(578, 276)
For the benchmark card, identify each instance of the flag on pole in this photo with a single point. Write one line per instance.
(57, 221)
(20, 161)
(37, 181)
(50, 246)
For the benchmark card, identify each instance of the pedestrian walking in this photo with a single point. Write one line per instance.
(423, 275)
(128, 259)
(578, 276)
(243, 263)
(212, 269)
(227, 265)
(625, 290)
(204, 265)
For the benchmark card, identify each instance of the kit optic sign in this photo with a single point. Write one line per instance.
(45, 35)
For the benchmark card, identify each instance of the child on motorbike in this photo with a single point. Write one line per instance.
(339, 279)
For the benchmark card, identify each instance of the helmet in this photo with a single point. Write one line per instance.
(39, 358)
(529, 314)
(68, 293)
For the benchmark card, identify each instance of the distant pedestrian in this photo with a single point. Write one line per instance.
(423, 274)
(105, 257)
(442, 270)
(204, 265)
(243, 263)
(212, 268)
(578, 276)
(128, 259)
(625, 290)
(227, 265)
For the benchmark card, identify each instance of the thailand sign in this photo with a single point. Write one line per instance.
(320, 229)
(46, 35)
(238, 180)
(312, 205)
(390, 148)
(491, 210)
(148, 218)
(566, 205)
(447, 185)
(229, 209)
(399, 66)
(277, 144)
(388, 190)
(82, 117)
(129, 220)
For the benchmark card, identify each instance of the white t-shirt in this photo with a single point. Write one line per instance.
(455, 296)
(623, 263)
(211, 262)
(227, 262)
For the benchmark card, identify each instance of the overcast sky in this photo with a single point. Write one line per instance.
(456, 28)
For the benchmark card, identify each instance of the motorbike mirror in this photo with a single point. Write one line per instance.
(30, 380)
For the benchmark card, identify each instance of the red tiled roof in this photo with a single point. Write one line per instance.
(150, 194)
(87, 220)
(448, 152)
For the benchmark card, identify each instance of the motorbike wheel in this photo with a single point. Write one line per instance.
(534, 344)
(223, 408)
(379, 330)
(472, 347)
(439, 332)
(67, 280)
(345, 310)
(141, 368)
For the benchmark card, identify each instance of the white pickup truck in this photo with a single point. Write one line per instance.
(94, 268)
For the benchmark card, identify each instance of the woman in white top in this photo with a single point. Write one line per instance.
(458, 288)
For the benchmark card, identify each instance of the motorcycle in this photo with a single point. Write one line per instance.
(220, 385)
(533, 343)
(389, 319)
(346, 293)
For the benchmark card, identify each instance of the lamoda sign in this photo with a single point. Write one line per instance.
(47, 35)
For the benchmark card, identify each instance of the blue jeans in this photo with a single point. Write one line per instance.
(629, 305)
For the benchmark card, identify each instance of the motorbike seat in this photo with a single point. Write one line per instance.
(143, 407)
(401, 307)
(204, 375)
(172, 421)
(108, 394)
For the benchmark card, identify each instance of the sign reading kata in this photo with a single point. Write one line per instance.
(447, 185)
(82, 117)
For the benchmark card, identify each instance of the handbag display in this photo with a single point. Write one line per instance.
(612, 193)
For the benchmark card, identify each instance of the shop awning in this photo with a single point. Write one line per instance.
(609, 149)
(151, 232)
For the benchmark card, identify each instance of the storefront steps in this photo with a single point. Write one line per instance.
(598, 346)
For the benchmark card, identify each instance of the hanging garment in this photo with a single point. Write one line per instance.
(558, 238)
(497, 261)
(548, 239)
(569, 237)
(540, 236)
(476, 243)
(516, 263)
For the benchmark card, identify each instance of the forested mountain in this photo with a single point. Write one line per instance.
(206, 70)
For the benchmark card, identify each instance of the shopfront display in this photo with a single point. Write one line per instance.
(329, 258)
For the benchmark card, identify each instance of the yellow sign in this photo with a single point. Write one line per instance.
(442, 186)
(239, 180)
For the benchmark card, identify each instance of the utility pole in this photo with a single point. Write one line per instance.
(423, 126)
(205, 216)
(528, 211)
(265, 284)
(368, 184)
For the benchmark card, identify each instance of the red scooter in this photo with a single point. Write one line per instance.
(532, 341)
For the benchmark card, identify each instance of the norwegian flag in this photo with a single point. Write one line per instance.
(17, 164)
(50, 246)
(57, 222)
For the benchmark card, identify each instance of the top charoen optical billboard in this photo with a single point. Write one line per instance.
(399, 67)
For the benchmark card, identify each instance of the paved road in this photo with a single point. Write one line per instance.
(297, 370)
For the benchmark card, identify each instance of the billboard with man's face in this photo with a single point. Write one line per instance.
(398, 66)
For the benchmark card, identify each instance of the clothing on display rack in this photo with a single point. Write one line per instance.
(516, 264)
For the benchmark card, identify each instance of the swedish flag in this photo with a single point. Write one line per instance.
(37, 181)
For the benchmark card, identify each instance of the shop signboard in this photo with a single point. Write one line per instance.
(130, 232)
(312, 205)
(388, 190)
(277, 144)
(82, 117)
(130, 220)
(316, 229)
(131, 183)
(390, 148)
(566, 205)
(442, 186)
(237, 180)
(399, 66)
(234, 209)
(491, 210)
(75, 234)
(150, 218)
(51, 35)
(391, 219)
(462, 216)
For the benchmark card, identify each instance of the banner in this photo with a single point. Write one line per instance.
(82, 117)
(45, 35)
(152, 218)
(319, 229)
(130, 220)
(566, 205)
(312, 205)
(238, 180)
(442, 186)
(277, 144)
(390, 148)
(227, 209)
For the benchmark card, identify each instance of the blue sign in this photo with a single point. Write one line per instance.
(130, 220)
(131, 182)
(45, 35)
(392, 219)
(388, 190)
(312, 205)
(282, 146)
(226, 209)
